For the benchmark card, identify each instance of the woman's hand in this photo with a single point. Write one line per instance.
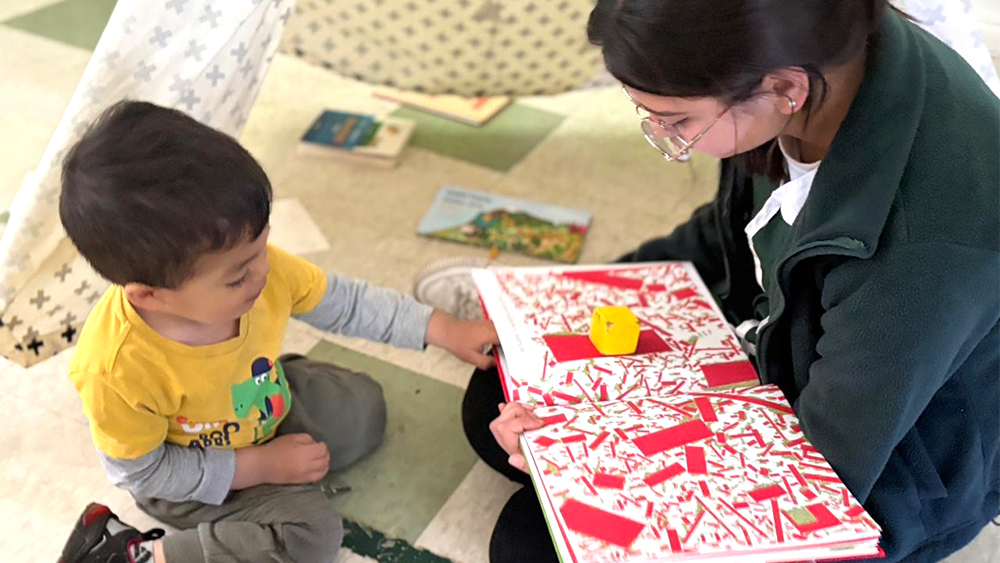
(514, 419)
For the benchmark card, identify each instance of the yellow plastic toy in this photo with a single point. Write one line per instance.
(614, 331)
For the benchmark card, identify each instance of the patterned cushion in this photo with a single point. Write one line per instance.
(465, 47)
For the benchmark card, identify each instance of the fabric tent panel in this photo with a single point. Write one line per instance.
(206, 58)
(469, 48)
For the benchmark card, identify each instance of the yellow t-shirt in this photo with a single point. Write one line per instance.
(140, 389)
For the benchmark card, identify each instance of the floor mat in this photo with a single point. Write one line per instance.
(499, 145)
(76, 22)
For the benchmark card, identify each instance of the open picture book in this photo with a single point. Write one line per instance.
(673, 453)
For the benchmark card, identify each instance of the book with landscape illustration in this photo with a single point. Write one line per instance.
(675, 452)
(357, 138)
(536, 229)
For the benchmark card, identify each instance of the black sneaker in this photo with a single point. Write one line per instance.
(100, 537)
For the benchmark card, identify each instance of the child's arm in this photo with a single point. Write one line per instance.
(354, 308)
(467, 340)
(176, 473)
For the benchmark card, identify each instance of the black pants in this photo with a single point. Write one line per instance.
(521, 534)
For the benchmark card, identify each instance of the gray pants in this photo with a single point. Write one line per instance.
(284, 523)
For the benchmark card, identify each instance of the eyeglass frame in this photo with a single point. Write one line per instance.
(684, 154)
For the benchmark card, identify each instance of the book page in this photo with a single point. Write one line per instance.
(721, 475)
(543, 318)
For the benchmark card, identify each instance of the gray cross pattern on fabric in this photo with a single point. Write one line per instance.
(240, 51)
(40, 299)
(247, 67)
(937, 15)
(215, 76)
(177, 5)
(61, 273)
(84, 286)
(160, 36)
(194, 50)
(127, 24)
(111, 58)
(144, 72)
(180, 84)
(189, 99)
(96, 92)
(211, 16)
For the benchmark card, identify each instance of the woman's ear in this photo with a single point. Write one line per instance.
(791, 88)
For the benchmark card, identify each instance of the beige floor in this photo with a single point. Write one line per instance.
(357, 221)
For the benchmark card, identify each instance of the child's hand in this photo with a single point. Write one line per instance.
(514, 419)
(295, 459)
(292, 459)
(465, 339)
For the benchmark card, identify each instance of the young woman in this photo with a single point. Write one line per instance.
(853, 240)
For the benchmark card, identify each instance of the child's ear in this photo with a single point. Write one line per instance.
(144, 297)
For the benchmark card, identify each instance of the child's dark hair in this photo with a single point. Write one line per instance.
(707, 48)
(148, 191)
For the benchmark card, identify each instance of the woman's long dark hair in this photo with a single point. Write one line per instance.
(725, 48)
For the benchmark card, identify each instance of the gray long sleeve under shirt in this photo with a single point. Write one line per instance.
(351, 308)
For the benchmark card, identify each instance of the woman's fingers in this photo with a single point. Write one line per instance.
(517, 460)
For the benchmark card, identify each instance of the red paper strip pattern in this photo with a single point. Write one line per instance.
(574, 347)
(603, 277)
(605, 481)
(695, 460)
(673, 437)
(554, 419)
(730, 373)
(600, 524)
(664, 474)
(766, 493)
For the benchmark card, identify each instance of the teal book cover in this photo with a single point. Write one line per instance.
(341, 130)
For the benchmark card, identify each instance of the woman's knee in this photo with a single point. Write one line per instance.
(479, 405)
(521, 533)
